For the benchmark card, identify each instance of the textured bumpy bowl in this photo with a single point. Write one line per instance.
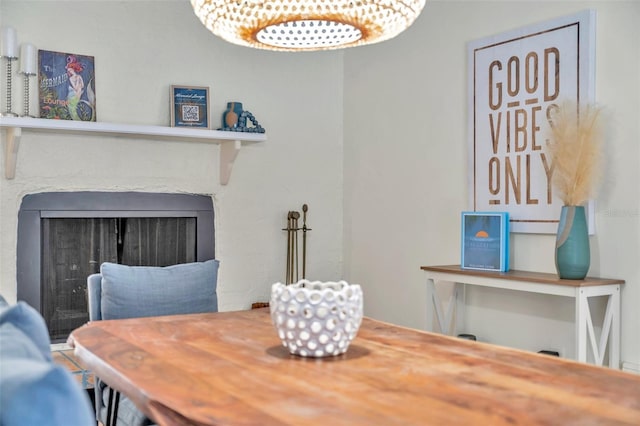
(316, 319)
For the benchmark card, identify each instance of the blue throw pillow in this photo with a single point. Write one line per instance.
(144, 291)
(30, 322)
(34, 390)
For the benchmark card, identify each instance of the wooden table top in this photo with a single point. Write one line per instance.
(529, 276)
(230, 368)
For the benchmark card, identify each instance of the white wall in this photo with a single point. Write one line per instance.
(140, 49)
(405, 174)
(403, 120)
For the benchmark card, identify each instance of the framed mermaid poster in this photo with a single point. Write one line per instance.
(66, 86)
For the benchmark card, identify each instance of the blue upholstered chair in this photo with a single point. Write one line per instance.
(33, 389)
(120, 291)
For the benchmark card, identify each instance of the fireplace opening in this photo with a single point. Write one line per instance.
(74, 248)
(65, 237)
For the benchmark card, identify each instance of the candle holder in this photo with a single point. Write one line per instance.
(28, 68)
(25, 104)
(8, 112)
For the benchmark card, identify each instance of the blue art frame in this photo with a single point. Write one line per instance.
(485, 241)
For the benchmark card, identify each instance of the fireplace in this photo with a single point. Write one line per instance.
(65, 236)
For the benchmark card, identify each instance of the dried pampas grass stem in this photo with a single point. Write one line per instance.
(575, 146)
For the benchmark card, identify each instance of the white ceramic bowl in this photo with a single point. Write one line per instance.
(314, 318)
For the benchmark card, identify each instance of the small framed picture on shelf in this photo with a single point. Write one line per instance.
(485, 241)
(67, 86)
(190, 106)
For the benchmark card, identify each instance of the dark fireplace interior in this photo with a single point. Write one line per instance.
(65, 237)
(75, 248)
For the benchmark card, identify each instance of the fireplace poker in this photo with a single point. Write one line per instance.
(288, 229)
(305, 208)
(292, 224)
(295, 217)
(291, 251)
(292, 273)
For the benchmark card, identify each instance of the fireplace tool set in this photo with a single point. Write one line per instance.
(293, 271)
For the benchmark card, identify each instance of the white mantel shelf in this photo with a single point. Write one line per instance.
(230, 142)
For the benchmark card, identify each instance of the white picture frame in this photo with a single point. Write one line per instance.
(513, 79)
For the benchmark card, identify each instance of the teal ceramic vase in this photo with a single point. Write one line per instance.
(573, 256)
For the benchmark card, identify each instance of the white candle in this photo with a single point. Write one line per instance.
(9, 45)
(28, 59)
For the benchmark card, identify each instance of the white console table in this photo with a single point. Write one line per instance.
(535, 282)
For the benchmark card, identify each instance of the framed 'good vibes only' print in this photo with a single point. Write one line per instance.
(516, 79)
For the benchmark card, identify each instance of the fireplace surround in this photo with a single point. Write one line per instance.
(36, 210)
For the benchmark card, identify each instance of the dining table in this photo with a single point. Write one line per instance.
(230, 368)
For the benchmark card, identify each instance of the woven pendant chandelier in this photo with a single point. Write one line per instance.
(304, 25)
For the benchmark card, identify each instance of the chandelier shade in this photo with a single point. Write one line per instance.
(306, 25)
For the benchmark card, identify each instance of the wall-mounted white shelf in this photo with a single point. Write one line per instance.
(230, 142)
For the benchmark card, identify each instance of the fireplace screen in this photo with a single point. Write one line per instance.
(63, 237)
(74, 248)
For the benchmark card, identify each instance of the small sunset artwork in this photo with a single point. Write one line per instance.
(485, 244)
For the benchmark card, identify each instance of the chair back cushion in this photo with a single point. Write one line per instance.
(144, 291)
(94, 294)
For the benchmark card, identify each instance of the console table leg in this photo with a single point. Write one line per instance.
(444, 319)
(459, 293)
(610, 332)
(582, 310)
(431, 291)
(614, 344)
